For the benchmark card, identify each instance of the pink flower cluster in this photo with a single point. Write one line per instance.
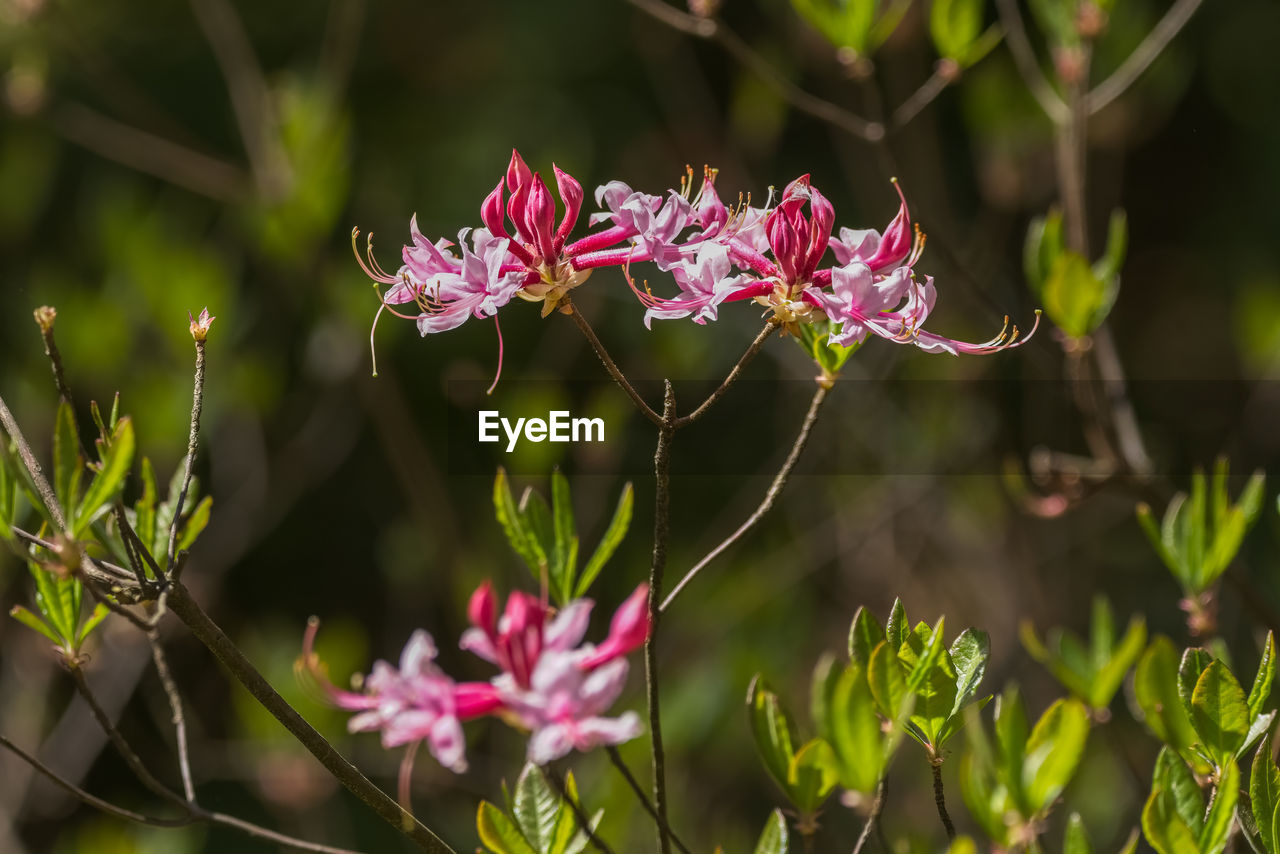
(784, 256)
(550, 683)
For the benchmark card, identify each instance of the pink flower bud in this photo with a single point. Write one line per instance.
(897, 240)
(518, 173)
(491, 212)
(627, 631)
(482, 609)
(571, 194)
(540, 218)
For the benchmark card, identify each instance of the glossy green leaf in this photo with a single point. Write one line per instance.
(897, 627)
(969, 654)
(67, 460)
(613, 535)
(1110, 674)
(564, 552)
(1076, 840)
(1164, 829)
(536, 808)
(813, 773)
(31, 621)
(99, 613)
(18, 471)
(845, 23)
(774, 838)
(144, 508)
(1155, 684)
(935, 649)
(513, 526)
(1259, 727)
(109, 480)
(1264, 678)
(865, 633)
(53, 600)
(1053, 752)
(1012, 731)
(498, 833)
(1220, 713)
(1194, 662)
(855, 733)
(772, 731)
(886, 680)
(1222, 810)
(1264, 790)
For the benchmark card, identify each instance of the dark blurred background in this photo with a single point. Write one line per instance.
(158, 158)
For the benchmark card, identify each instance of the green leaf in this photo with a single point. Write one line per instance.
(1172, 775)
(1155, 684)
(1076, 840)
(31, 621)
(99, 613)
(564, 553)
(865, 633)
(1194, 662)
(536, 808)
(774, 838)
(969, 654)
(52, 601)
(854, 732)
(8, 498)
(813, 773)
(1041, 249)
(145, 508)
(1264, 678)
(1074, 299)
(1011, 743)
(886, 680)
(18, 470)
(512, 523)
(498, 833)
(569, 837)
(609, 543)
(897, 627)
(1220, 713)
(1053, 751)
(771, 730)
(67, 460)
(1110, 675)
(845, 23)
(954, 25)
(109, 480)
(1164, 828)
(195, 523)
(933, 653)
(1261, 726)
(1108, 266)
(1264, 790)
(1222, 810)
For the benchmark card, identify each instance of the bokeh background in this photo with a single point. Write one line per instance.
(158, 158)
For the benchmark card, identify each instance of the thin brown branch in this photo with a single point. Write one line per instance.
(944, 74)
(92, 800)
(250, 96)
(122, 746)
(940, 797)
(153, 155)
(178, 718)
(661, 529)
(769, 328)
(194, 814)
(611, 366)
(873, 819)
(32, 465)
(712, 30)
(216, 641)
(193, 443)
(45, 316)
(1024, 56)
(579, 814)
(775, 489)
(1151, 47)
(616, 758)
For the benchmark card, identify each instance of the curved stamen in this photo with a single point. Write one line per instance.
(371, 268)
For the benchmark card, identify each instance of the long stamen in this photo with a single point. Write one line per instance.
(371, 268)
(498, 375)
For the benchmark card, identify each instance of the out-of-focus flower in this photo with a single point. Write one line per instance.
(413, 703)
(550, 685)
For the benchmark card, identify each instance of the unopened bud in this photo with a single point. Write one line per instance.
(1091, 21)
(200, 325)
(45, 315)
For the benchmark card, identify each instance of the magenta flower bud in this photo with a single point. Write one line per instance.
(783, 241)
(896, 243)
(491, 212)
(540, 218)
(516, 212)
(482, 609)
(571, 194)
(823, 218)
(518, 173)
(628, 630)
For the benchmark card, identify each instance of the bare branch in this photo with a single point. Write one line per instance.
(710, 30)
(193, 439)
(175, 707)
(1024, 56)
(616, 758)
(1142, 57)
(661, 530)
(736, 372)
(775, 489)
(611, 366)
(181, 166)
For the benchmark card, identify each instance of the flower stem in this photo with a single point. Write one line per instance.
(877, 807)
(661, 528)
(616, 758)
(611, 366)
(940, 798)
(193, 437)
(733, 375)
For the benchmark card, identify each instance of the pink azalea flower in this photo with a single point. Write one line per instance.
(554, 687)
(413, 703)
